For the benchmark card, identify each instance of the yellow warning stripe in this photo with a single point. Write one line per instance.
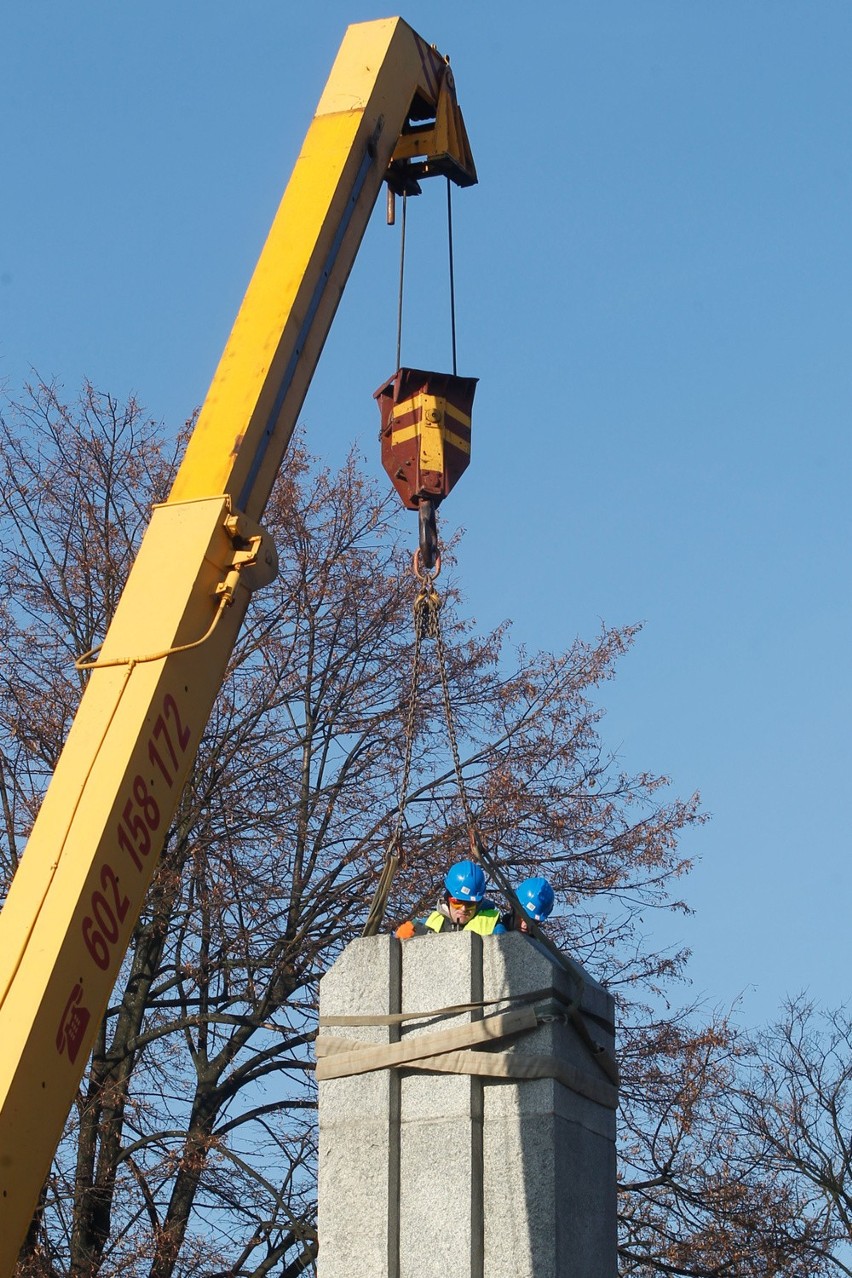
(411, 405)
(403, 435)
(411, 432)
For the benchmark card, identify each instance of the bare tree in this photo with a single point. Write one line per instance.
(696, 1198)
(191, 1145)
(795, 1108)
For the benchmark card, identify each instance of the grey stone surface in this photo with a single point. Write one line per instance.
(548, 1153)
(358, 1178)
(441, 1213)
(481, 1178)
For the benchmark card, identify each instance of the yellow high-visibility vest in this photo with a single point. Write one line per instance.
(483, 922)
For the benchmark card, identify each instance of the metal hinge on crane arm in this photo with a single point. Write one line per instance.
(255, 559)
(433, 143)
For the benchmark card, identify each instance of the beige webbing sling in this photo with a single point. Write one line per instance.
(449, 1051)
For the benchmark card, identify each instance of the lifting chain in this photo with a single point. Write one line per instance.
(451, 734)
(427, 620)
(427, 625)
(391, 864)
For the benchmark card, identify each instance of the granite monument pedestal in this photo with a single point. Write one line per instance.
(435, 1160)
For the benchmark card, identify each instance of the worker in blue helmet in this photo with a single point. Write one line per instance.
(536, 898)
(463, 907)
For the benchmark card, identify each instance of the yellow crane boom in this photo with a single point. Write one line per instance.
(388, 112)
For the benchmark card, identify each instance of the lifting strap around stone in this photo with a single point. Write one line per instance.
(599, 1054)
(446, 1051)
(486, 1065)
(363, 1059)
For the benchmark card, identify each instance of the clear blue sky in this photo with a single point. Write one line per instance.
(655, 288)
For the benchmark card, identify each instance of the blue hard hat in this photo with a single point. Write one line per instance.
(465, 881)
(536, 896)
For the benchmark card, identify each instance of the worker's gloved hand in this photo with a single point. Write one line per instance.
(405, 930)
